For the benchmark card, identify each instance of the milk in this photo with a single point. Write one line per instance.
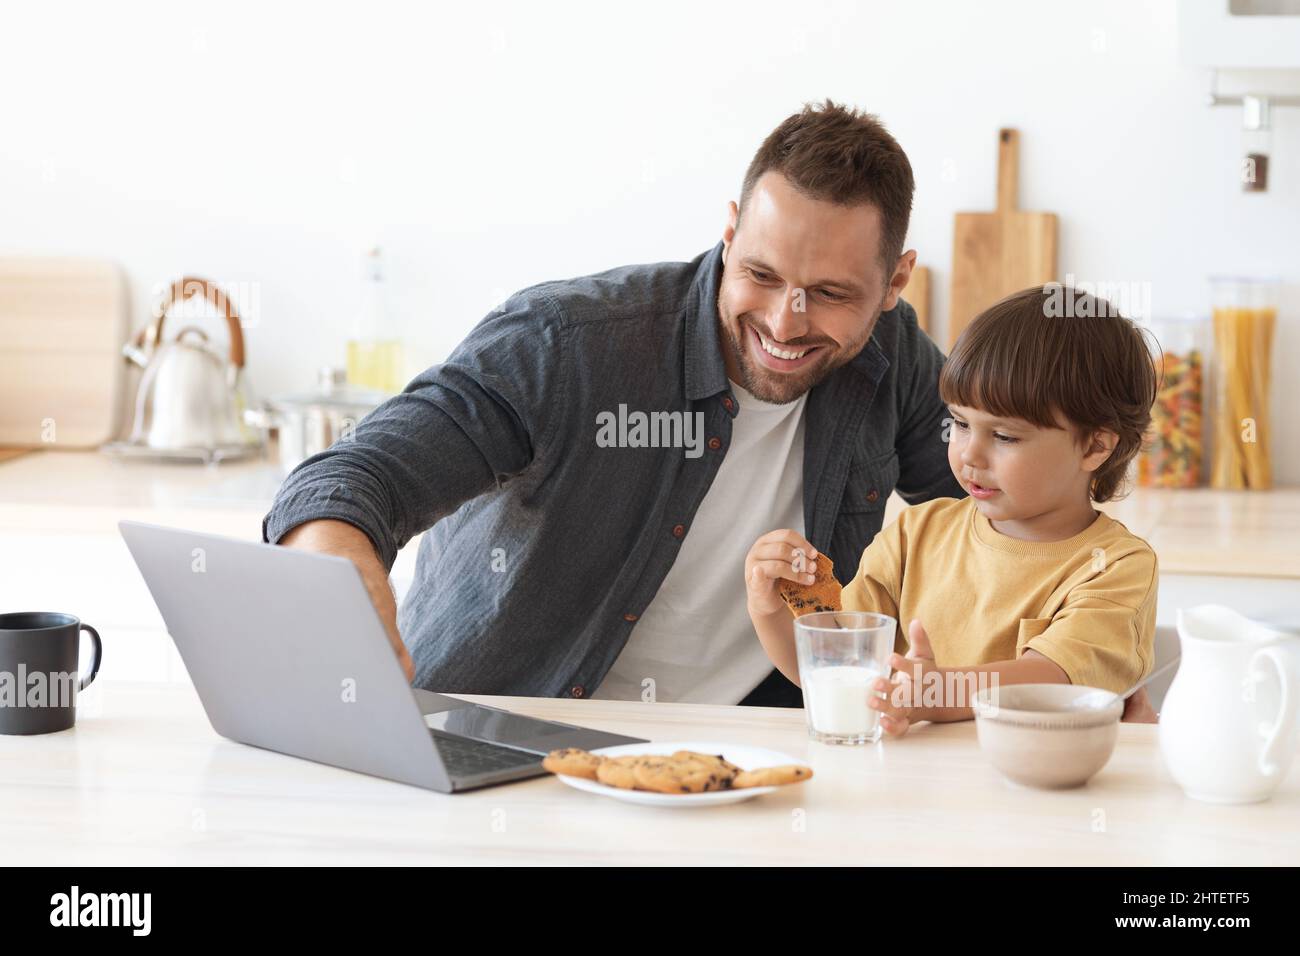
(837, 700)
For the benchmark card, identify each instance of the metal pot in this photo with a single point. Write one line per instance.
(310, 423)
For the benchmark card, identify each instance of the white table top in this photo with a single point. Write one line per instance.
(143, 779)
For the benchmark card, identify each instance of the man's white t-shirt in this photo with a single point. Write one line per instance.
(695, 641)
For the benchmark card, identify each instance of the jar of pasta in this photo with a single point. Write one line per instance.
(1171, 456)
(1244, 317)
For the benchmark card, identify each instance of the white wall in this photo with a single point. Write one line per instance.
(492, 146)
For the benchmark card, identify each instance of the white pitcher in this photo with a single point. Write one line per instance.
(1228, 728)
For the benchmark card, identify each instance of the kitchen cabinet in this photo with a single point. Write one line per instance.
(1239, 34)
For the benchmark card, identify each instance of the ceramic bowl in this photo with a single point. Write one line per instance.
(1047, 735)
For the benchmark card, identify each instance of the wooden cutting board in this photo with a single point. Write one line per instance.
(917, 295)
(997, 253)
(62, 326)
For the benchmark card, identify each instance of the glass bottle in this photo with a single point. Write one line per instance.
(374, 358)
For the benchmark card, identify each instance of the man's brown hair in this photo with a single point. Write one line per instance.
(835, 154)
(1027, 357)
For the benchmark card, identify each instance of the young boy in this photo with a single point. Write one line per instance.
(1024, 578)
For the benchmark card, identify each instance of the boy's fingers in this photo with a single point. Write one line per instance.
(792, 538)
(894, 726)
(887, 708)
(874, 692)
(780, 551)
(775, 570)
(889, 705)
(910, 666)
(902, 692)
(918, 641)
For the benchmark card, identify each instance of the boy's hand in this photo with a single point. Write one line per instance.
(897, 712)
(1138, 709)
(778, 554)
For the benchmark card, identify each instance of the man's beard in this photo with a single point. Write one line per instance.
(777, 388)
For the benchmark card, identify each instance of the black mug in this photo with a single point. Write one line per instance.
(39, 673)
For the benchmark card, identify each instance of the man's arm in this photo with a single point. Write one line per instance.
(456, 431)
(327, 536)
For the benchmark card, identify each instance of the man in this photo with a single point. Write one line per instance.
(570, 553)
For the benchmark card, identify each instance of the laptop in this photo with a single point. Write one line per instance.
(287, 653)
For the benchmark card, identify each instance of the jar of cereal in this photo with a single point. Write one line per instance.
(1172, 455)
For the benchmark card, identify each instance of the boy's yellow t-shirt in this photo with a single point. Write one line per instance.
(1088, 603)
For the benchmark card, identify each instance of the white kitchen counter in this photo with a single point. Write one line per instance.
(88, 492)
(1196, 531)
(62, 551)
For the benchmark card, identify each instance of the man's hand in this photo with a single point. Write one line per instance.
(903, 705)
(327, 536)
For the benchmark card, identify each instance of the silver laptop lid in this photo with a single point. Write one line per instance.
(287, 652)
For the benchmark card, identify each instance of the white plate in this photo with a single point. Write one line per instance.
(746, 758)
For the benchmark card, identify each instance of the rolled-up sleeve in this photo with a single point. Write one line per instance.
(456, 431)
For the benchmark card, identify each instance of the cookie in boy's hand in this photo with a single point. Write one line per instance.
(822, 595)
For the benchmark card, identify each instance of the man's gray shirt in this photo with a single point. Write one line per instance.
(544, 545)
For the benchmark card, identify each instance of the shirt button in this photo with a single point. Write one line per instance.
(577, 690)
(715, 443)
(679, 530)
(873, 494)
(629, 617)
(728, 404)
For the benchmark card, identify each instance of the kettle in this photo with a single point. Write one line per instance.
(190, 398)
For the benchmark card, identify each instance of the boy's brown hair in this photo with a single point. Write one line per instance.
(840, 155)
(1028, 358)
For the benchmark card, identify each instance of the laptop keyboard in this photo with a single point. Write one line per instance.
(466, 757)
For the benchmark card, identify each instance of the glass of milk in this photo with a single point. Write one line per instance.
(841, 653)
